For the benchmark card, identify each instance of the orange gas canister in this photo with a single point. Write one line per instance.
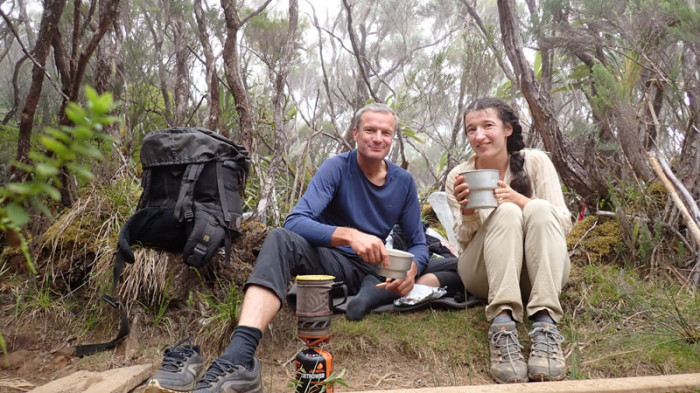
(313, 366)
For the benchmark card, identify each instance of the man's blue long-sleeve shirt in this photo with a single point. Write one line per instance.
(340, 195)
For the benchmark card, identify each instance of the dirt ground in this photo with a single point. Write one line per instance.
(36, 345)
(36, 358)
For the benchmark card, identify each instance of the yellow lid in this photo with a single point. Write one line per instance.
(315, 277)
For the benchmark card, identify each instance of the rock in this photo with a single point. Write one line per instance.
(15, 360)
(119, 380)
(15, 384)
(60, 361)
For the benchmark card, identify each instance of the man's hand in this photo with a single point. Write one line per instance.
(403, 286)
(369, 247)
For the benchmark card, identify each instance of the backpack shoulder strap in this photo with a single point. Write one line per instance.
(183, 206)
(222, 194)
(124, 328)
(223, 199)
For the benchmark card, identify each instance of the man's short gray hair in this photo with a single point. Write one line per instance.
(376, 107)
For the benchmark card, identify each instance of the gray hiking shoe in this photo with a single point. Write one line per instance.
(507, 363)
(546, 362)
(226, 377)
(179, 371)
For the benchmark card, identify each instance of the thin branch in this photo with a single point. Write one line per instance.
(689, 221)
(257, 11)
(198, 57)
(359, 56)
(29, 55)
(689, 200)
(326, 83)
(499, 57)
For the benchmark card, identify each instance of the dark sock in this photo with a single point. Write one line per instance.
(543, 317)
(368, 298)
(241, 350)
(502, 319)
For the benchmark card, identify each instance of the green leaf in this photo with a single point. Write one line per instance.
(82, 132)
(81, 171)
(442, 162)
(102, 104)
(409, 133)
(23, 166)
(3, 347)
(45, 170)
(579, 72)
(38, 204)
(90, 94)
(55, 146)
(88, 150)
(538, 66)
(59, 134)
(19, 188)
(76, 113)
(504, 89)
(17, 214)
(51, 191)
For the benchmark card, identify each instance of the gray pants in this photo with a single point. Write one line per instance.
(284, 255)
(492, 264)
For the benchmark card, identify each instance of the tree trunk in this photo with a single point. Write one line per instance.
(232, 68)
(181, 54)
(570, 171)
(156, 30)
(268, 187)
(16, 90)
(73, 73)
(47, 29)
(26, 20)
(214, 106)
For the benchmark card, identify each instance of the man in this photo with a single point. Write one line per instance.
(337, 228)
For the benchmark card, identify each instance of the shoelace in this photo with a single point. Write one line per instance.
(218, 368)
(507, 343)
(549, 345)
(176, 355)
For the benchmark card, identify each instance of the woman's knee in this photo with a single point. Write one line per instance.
(538, 212)
(507, 217)
(509, 211)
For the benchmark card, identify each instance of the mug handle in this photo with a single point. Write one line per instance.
(344, 288)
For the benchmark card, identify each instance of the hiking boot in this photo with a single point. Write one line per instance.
(179, 371)
(226, 377)
(546, 362)
(507, 363)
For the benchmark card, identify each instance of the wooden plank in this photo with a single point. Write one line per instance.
(650, 384)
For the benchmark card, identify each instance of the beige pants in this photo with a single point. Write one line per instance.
(492, 265)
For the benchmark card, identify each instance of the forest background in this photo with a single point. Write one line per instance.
(609, 89)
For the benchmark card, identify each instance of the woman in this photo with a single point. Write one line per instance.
(514, 255)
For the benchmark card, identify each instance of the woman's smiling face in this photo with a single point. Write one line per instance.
(486, 133)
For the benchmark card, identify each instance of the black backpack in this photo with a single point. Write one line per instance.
(191, 203)
(192, 183)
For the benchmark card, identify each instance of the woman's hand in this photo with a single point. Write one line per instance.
(461, 192)
(506, 194)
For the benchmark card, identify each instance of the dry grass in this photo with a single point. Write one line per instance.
(617, 323)
(85, 235)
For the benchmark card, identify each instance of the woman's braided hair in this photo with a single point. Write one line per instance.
(520, 180)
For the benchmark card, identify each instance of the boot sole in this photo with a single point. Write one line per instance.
(545, 377)
(154, 387)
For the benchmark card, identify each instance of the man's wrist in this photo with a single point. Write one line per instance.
(342, 236)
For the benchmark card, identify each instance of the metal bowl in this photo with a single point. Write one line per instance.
(399, 263)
